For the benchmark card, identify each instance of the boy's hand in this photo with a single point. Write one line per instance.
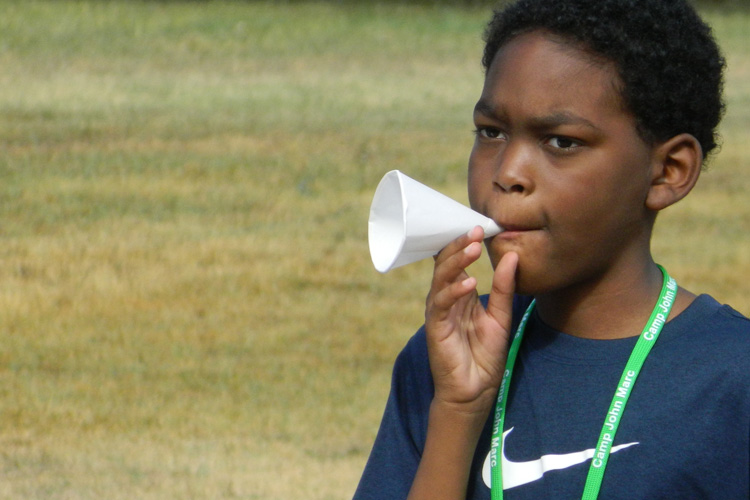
(467, 344)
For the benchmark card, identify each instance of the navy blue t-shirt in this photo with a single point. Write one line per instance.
(684, 434)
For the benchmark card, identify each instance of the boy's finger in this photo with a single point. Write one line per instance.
(457, 245)
(500, 304)
(451, 262)
(443, 300)
(453, 267)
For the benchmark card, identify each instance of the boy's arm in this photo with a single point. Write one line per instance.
(467, 347)
(452, 437)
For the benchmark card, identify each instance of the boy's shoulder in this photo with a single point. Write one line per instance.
(707, 320)
(708, 342)
(709, 333)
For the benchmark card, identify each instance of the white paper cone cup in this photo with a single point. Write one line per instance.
(410, 221)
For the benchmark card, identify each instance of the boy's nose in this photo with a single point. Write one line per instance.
(513, 168)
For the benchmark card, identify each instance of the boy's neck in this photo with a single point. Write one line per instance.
(610, 309)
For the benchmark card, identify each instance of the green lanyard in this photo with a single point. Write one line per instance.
(619, 400)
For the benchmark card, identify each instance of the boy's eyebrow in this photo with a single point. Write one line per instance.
(560, 118)
(484, 108)
(539, 122)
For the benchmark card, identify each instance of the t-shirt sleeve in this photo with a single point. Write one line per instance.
(397, 449)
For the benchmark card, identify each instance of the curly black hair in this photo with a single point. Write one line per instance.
(670, 67)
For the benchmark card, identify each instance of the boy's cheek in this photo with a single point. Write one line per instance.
(477, 187)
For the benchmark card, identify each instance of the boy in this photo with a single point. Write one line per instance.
(594, 116)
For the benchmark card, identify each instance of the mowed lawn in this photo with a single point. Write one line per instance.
(187, 305)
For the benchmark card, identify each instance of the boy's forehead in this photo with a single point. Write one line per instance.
(550, 69)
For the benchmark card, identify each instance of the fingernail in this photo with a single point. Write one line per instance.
(471, 231)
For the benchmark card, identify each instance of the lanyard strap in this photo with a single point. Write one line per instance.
(612, 420)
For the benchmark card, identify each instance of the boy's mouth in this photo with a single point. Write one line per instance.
(514, 224)
(511, 228)
(514, 229)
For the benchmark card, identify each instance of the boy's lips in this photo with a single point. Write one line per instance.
(512, 233)
(512, 229)
(515, 224)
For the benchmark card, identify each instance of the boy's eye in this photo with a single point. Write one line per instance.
(489, 132)
(562, 142)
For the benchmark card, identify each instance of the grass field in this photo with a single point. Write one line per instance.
(187, 306)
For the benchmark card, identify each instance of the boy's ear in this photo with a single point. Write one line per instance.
(676, 166)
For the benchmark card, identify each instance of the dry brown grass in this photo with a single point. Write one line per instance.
(187, 306)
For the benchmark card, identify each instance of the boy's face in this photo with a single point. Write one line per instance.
(559, 164)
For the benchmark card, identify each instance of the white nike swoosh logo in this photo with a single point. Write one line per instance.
(520, 473)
